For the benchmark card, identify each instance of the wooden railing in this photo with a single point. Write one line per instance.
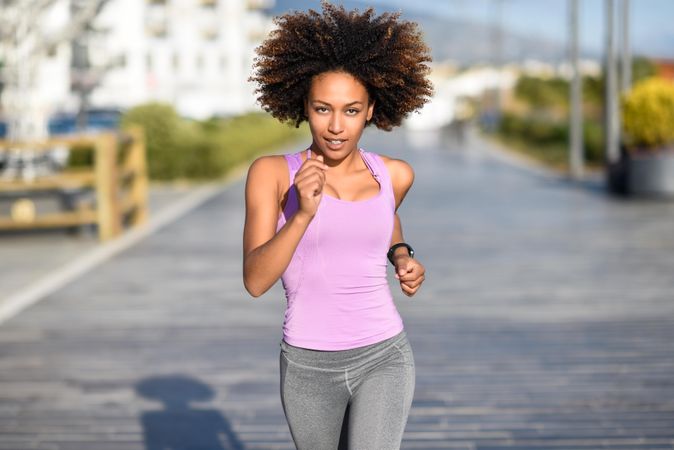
(118, 176)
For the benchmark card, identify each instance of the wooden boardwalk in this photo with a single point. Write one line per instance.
(546, 322)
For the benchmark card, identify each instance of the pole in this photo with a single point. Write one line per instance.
(500, 60)
(626, 59)
(611, 131)
(496, 44)
(576, 156)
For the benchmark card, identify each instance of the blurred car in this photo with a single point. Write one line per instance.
(97, 119)
(66, 123)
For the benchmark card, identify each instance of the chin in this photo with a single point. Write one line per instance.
(341, 153)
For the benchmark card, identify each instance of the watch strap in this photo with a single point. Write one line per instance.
(393, 248)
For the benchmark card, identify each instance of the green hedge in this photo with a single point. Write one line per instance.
(178, 148)
(545, 135)
(541, 92)
(540, 131)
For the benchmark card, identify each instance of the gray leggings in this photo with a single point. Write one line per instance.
(359, 397)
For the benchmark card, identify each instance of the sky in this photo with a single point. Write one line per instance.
(651, 21)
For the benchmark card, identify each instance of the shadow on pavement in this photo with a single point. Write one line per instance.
(179, 426)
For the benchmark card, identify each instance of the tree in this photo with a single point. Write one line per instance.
(23, 46)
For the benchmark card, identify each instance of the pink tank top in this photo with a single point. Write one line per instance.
(336, 289)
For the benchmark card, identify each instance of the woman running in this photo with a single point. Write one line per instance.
(324, 221)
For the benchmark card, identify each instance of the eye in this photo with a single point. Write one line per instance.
(321, 109)
(352, 111)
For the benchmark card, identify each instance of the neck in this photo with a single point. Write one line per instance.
(347, 164)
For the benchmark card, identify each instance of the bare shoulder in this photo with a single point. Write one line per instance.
(267, 165)
(402, 177)
(401, 172)
(268, 172)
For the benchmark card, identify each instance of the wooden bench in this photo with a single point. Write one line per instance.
(117, 177)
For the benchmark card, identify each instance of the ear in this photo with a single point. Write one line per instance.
(306, 108)
(370, 110)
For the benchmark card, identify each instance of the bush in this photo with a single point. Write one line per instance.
(540, 131)
(166, 138)
(648, 113)
(593, 141)
(542, 93)
(536, 130)
(179, 148)
(643, 68)
(543, 135)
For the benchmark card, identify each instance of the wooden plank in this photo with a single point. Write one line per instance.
(52, 220)
(140, 183)
(127, 204)
(71, 179)
(119, 164)
(69, 141)
(109, 219)
(125, 174)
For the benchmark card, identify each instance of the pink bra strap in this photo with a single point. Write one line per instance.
(369, 164)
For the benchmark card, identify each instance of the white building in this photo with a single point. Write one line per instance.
(195, 54)
(35, 65)
(451, 89)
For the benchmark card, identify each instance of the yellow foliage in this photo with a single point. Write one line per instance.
(648, 113)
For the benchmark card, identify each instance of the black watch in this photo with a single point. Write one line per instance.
(393, 248)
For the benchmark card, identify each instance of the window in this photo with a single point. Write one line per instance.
(156, 29)
(210, 34)
(121, 61)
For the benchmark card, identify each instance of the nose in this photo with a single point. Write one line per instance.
(335, 125)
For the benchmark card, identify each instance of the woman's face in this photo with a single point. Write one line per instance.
(337, 108)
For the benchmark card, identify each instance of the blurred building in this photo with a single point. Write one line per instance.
(195, 54)
(665, 68)
(34, 64)
(455, 89)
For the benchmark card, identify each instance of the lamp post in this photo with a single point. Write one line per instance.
(611, 130)
(576, 151)
(626, 58)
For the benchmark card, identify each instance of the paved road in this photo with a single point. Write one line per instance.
(546, 322)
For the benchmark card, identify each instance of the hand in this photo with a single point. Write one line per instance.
(309, 182)
(410, 272)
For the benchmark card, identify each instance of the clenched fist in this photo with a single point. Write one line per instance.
(309, 182)
(410, 273)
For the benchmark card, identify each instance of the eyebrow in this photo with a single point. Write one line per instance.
(348, 104)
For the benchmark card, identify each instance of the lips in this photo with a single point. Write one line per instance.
(335, 144)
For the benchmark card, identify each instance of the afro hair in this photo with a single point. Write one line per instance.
(386, 54)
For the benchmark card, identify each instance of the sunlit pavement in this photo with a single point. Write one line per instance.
(546, 322)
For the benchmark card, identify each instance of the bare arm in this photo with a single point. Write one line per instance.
(397, 235)
(402, 177)
(410, 272)
(266, 253)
